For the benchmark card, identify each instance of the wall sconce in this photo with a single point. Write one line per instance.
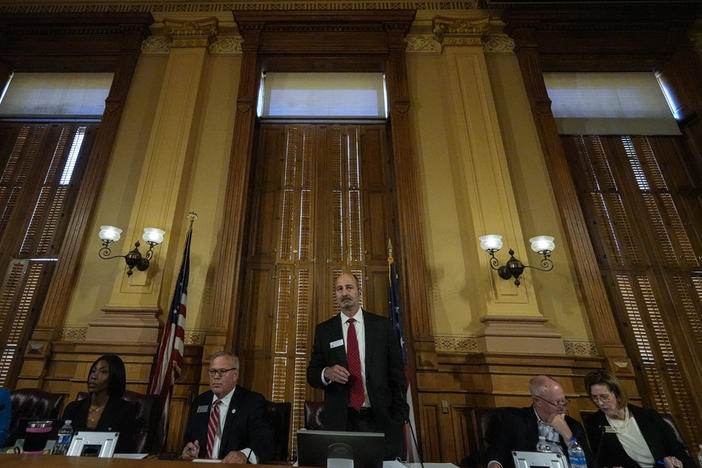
(110, 234)
(542, 245)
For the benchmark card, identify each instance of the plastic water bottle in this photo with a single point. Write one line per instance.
(576, 455)
(63, 441)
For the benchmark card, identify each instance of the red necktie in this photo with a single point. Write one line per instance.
(212, 429)
(356, 397)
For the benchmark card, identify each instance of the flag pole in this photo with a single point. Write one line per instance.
(172, 347)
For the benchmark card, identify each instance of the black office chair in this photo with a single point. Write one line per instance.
(147, 421)
(479, 421)
(32, 403)
(313, 413)
(278, 415)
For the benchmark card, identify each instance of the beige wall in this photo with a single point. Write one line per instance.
(206, 182)
(448, 225)
(458, 300)
(212, 139)
(96, 277)
(458, 286)
(557, 291)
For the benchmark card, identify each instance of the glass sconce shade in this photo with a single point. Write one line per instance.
(110, 233)
(134, 258)
(491, 242)
(541, 244)
(153, 235)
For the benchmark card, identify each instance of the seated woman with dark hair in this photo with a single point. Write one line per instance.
(626, 435)
(104, 409)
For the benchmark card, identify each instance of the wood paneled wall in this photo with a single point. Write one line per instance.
(451, 398)
(72, 43)
(449, 401)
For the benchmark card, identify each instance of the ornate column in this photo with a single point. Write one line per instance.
(223, 317)
(595, 297)
(407, 199)
(512, 321)
(131, 313)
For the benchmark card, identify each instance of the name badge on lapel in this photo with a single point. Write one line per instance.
(203, 409)
(610, 430)
(336, 344)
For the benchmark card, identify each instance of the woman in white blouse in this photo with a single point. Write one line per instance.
(622, 434)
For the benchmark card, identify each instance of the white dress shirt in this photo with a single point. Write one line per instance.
(361, 338)
(223, 409)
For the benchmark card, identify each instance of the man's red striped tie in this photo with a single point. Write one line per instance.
(356, 396)
(212, 428)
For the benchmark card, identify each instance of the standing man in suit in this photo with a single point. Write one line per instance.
(356, 359)
(228, 421)
(519, 428)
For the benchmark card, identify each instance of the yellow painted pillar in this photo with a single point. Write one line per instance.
(131, 313)
(512, 321)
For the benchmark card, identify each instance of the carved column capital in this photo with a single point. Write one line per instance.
(498, 44)
(190, 33)
(422, 44)
(460, 31)
(227, 45)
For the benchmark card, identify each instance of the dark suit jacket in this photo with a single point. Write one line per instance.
(657, 433)
(246, 425)
(518, 429)
(118, 415)
(385, 377)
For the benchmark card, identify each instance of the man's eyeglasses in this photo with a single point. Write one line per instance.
(555, 404)
(604, 398)
(219, 372)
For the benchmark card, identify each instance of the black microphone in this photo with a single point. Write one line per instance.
(414, 439)
(600, 443)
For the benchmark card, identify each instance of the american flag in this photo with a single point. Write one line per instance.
(411, 451)
(170, 353)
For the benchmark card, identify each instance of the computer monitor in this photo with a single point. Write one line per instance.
(37, 435)
(368, 447)
(539, 460)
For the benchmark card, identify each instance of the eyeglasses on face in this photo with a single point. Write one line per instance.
(555, 404)
(219, 372)
(604, 398)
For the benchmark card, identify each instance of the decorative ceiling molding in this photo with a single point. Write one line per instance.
(155, 45)
(422, 44)
(195, 33)
(205, 7)
(498, 44)
(460, 31)
(226, 45)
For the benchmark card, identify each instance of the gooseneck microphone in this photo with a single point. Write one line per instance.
(600, 443)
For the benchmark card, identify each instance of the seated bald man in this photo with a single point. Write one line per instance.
(228, 422)
(519, 428)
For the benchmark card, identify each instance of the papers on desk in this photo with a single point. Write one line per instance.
(207, 460)
(132, 456)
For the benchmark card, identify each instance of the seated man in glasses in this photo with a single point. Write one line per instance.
(228, 422)
(520, 428)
